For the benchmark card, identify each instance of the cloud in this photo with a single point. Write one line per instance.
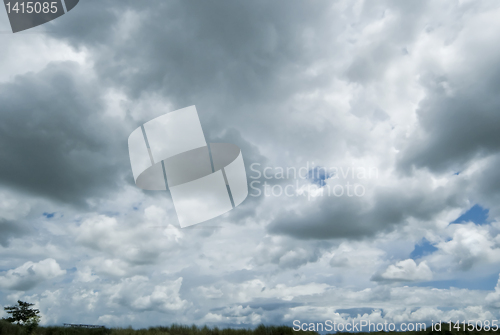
(458, 121)
(30, 274)
(10, 229)
(408, 88)
(486, 183)
(384, 207)
(257, 39)
(135, 293)
(254, 289)
(406, 270)
(13, 213)
(125, 244)
(235, 315)
(287, 253)
(356, 255)
(493, 298)
(69, 150)
(470, 246)
(210, 292)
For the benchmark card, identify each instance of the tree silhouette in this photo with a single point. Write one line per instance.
(23, 314)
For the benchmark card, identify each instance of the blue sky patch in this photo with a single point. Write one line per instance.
(476, 214)
(423, 248)
(318, 175)
(49, 215)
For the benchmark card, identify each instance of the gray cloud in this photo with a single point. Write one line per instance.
(238, 62)
(486, 184)
(30, 274)
(330, 217)
(458, 118)
(288, 82)
(260, 40)
(10, 229)
(458, 128)
(55, 140)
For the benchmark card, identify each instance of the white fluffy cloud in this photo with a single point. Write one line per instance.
(137, 294)
(30, 274)
(493, 298)
(407, 270)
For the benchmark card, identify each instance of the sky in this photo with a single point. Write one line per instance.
(380, 121)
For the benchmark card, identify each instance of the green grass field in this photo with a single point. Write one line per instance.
(11, 329)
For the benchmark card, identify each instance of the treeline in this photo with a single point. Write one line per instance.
(7, 328)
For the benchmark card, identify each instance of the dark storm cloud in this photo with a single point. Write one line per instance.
(459, 119)
(486, 184)
(241, 63)
(288, 82)
(185, 47)
(54, 139)
(10, 229)
(353, 217)
(237, 61)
